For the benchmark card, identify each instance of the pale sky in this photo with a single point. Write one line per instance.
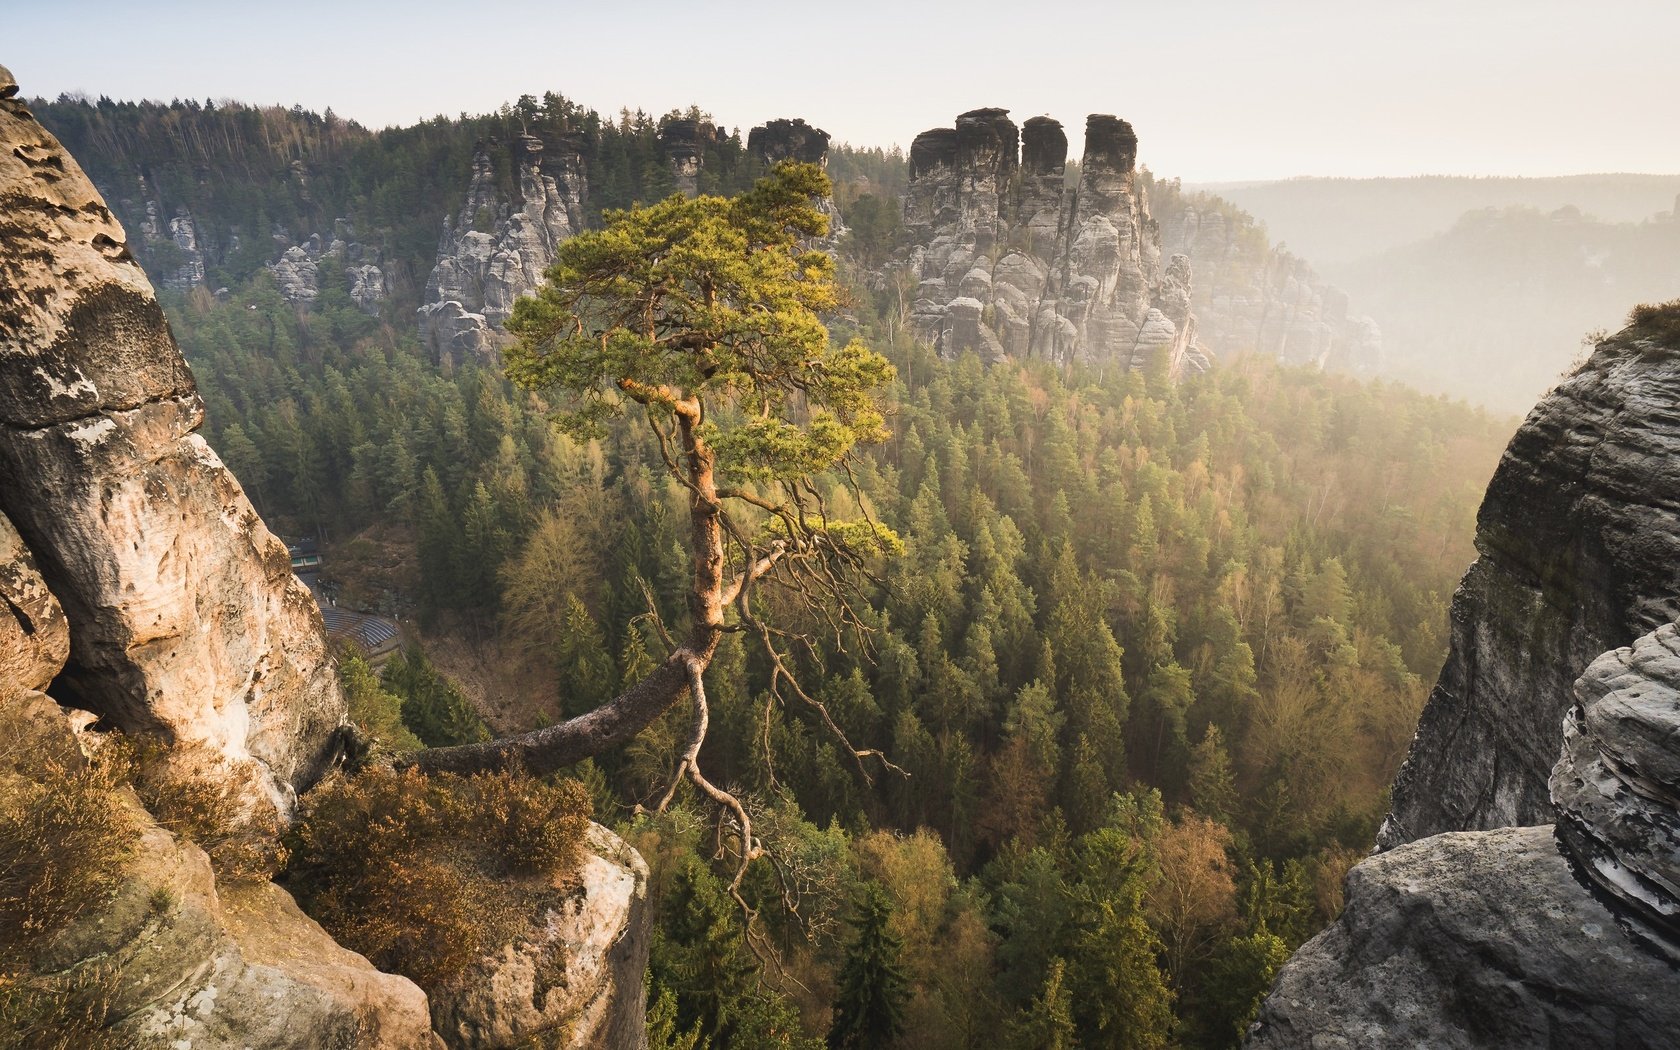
(1217, 89)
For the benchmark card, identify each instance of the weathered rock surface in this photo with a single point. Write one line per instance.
(494, 251)
(1617, 786)
(34, 635)
(1251, 296)
(1579, 544)
(596, 942)
(684, 143)
(296, 272)
(1481, 939)
(178, 235)
(1066, 275)
(777, 140)
(186, 620)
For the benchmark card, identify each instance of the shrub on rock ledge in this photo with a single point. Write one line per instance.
(425, 875)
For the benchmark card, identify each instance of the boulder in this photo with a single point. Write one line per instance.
(1477, 940)
(577, 972)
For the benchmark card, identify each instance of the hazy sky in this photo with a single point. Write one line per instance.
(1217, 89)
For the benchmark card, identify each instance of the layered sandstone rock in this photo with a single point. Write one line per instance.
(34, 635)
(1617, 786)
(794, 140)
(493, 251)
(186, 620)
(1012, 263)
(1516, 936)
(1579, 553)
(179, 232)
(296, 272)
(684, 143)
(183, 960)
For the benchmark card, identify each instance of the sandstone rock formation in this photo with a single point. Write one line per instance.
(296, 272)
(1253, 297)
(778, 140)
(34, 635)
(186, 620)
(1534, 936)
(684, 142)
(493, 251)
(1617, 786)
(1579, 552)
(180, 233)
(597, 940)
(1013, 263)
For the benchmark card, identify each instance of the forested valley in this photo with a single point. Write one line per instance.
(1151, 653)
(1149, 659)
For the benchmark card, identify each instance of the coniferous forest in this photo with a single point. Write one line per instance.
(1150, 657)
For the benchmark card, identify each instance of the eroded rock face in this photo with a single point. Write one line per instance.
(1579, 553)
(1617, 786)
(34, 635)
(1472, 940)
(779, 140)
(492, 251)
(297, 271)
(1067, 275)
(597, 942)
(186, 620)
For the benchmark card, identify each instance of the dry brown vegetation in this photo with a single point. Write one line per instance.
(424, 875)
(1657, 320)
(200, 796)
(66, 832)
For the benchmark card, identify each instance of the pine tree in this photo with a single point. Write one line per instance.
(1046, 1023)
(869, 1003)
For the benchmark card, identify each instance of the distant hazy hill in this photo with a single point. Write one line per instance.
(1332, 221)
(1495, 308)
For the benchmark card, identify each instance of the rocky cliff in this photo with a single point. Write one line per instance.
(1253, 297)
(1534, 936)
(1013, 262)
(142, 598)
(1579, 552)
(186, 620)
(495, 249)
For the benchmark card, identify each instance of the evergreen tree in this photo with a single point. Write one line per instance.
(1047, 1022)
(869, 1003)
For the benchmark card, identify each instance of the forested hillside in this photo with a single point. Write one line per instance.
(1150, 658)
(257, 180)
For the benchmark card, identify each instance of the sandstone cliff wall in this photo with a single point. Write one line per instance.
(1540, 936)
(495, 250)
(1579, 552)
(139, 584)
(185, 618)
